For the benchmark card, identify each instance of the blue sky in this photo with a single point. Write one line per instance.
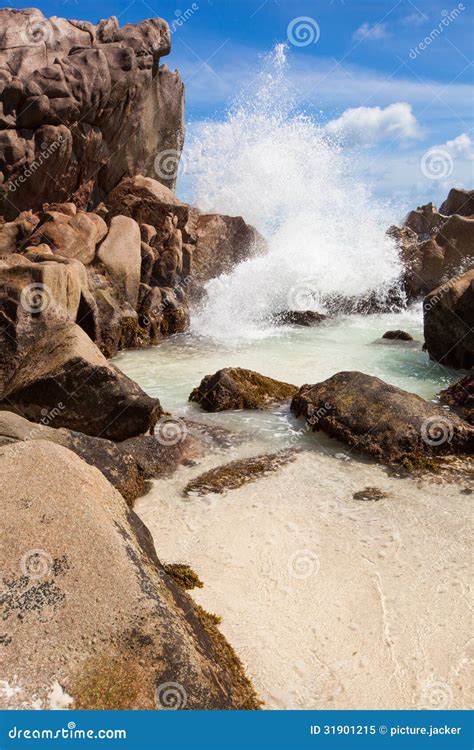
(364, 67)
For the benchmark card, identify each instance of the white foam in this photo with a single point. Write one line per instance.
(277, 168)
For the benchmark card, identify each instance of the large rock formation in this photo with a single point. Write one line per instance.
(460, 397)
(49, 363)
(449, 322)
(81, 106)
(381, 420)
(90, 618)
(236, 388)
(436, 245)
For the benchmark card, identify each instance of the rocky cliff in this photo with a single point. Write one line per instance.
(82, 106)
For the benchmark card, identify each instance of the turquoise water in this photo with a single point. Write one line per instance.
(296, 355)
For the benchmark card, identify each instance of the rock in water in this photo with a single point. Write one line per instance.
(381, 420)
(236, 388)
(448, 313)
(304, 318)
(237, 473)
(87, 604)
(397, 336)
(84, 105)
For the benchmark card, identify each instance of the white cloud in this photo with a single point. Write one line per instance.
(368, 125)
(461, 147)
(366, 31)
(415, 19)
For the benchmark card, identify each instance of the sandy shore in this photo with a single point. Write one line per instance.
(329, 601)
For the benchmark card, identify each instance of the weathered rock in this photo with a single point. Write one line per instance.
(236, 473)
(449, 322)
(50, 362)
(381, 420)
(460, 397)
(82, 106)
(113, 460)
(424, 219)
(397, 336)
(120, 254)
(43, 281)
(87, 607)
(299, 318)
(459, 201)
(236, 388)
(71, 235)
(456, 238)
(213, 243)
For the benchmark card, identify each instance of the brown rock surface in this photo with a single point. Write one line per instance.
(88, 612)
(449, 322)
(460, 397)
(50, 362)
(82, 106)
(381, 420)
(236, 388)
(459, 201)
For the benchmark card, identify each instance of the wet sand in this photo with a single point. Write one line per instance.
(331, 602)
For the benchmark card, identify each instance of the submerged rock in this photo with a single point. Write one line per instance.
(398, 336)
(236, 388)
(448, 313)
(381, 420)
(460, 397)
(236, 473)
(373, 494)
(299, 318)
(87, 604)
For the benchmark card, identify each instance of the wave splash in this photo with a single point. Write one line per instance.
(280, 171)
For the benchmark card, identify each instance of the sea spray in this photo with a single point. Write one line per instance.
(277, 167)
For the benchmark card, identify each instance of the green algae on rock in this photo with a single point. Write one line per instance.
(237, 388)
